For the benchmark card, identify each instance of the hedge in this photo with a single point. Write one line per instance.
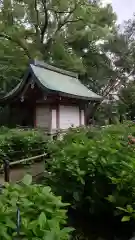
(94, 170)
(16, 144)
(42, 214)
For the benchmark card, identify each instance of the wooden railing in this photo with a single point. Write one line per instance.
(7, 165)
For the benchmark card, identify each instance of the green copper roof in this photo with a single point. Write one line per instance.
(54, 79)
(63, 83)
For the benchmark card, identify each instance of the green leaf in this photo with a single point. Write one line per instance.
(42, 220)
(76, 196)
(126, 219)
(111, 198)
(27, 180)
(130, 209)
(68, 229)
(50, 236)
(122, 209)
(10, 223)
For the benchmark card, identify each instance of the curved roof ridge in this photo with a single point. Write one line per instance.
(42, 64)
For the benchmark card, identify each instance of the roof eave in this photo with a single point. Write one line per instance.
(81, 97)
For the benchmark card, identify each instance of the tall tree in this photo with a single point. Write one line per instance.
(123, 48)
(127, 99)
(64, 33)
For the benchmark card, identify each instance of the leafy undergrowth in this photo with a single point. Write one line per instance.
(94, 170)
(43, 215)
(16, 144)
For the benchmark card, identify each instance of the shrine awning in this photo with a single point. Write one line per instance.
(55, 80)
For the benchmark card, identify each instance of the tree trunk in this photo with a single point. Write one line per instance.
(121, 118)
(91, 110)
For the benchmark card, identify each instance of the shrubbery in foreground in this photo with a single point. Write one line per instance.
(42, 213)
(94, 170)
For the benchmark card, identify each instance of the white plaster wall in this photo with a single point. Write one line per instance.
(69, 115)
(82, 118)
(54, 119)
(42, 116)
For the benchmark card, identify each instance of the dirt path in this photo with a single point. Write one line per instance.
(18, 173)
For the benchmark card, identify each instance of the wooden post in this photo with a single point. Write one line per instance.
(18, 221)
(6, 170)
(58, 116)
(80, 117)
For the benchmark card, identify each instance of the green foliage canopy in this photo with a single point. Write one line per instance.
(59, 34)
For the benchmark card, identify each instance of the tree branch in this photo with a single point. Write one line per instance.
(121, 98)
(116, 83)
(58, 12)
(74, 21)
(45, 25)
(66, 19)
(18, 42)
(37, 17)
(61, 24)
